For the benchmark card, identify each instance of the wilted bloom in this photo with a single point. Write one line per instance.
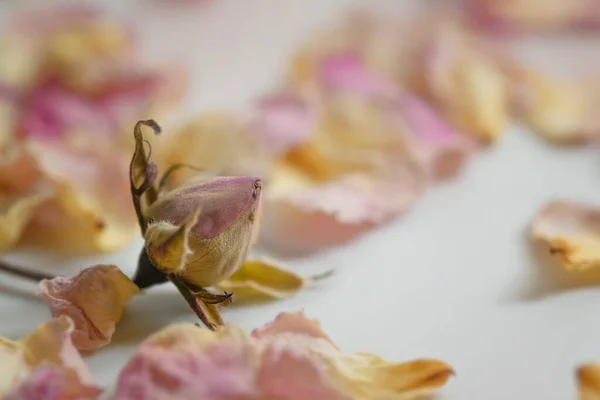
(559, 110)
(94, 299)
(69, 85)
(588, 380)
(533, 15)
(291, 358)
(571, 232)
(45, 365)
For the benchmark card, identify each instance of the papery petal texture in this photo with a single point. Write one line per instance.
(94, 299)
(290, 359)
(570, 230)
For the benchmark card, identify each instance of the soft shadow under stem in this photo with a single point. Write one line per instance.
(25, 273)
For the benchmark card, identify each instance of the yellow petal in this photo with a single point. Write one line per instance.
(558, 110)
(94, 299)
(572, 233)
(261, 280)
(466, 82)
(588, 379)
(366, 376)
(15, 215)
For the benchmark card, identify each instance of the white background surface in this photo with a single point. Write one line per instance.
(455, 279)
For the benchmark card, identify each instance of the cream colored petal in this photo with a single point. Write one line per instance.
(259, 280)
(13, 366)
(465, 81)
(588, 380)
(571, 231)
(560, 111)
(94, 299)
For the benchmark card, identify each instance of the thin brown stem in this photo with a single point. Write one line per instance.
(25, 273)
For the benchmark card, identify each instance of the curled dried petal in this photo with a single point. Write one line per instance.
(291, 358)
(570, 231)
(588, 379)
(94, 299)
(258, 280)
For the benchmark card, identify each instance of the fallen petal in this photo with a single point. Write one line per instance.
(94, 299)
(588, 379)
(301, 217)
(261, 280)
(570, 231)
(290, 359)
(463, 78)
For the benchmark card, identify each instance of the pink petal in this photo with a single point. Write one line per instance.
(436, 142)
(281, 121)
(345, 72)
(48, 382)
(336, 212)
(175, 364)
(94, 299)
(292, 323)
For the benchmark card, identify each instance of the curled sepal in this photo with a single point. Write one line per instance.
(142, 172)
(570, 231)
(588, 381)
(258, 280)
(168, 246)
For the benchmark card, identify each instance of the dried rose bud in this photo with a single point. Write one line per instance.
(197, 233)
(202, 231)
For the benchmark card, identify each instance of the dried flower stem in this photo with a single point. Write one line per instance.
(195, 303)
(25, 273)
